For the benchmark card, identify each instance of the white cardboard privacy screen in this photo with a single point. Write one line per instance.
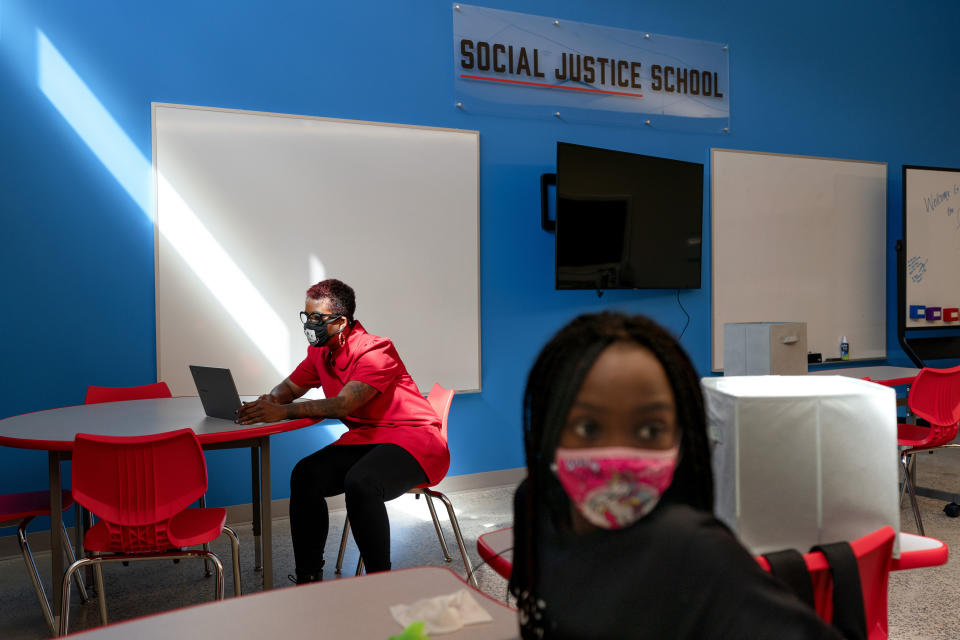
(802, 460)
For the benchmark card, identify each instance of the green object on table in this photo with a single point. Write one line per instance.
(414, 631)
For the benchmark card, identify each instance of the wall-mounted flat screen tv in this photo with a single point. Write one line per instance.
(627, 221)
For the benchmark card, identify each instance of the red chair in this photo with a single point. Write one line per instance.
(935, 397)
(96, 395)
(874, 558)
(19, 509)
(440, 399)
(140, 488)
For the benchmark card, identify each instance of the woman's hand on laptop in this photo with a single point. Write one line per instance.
(263, 409)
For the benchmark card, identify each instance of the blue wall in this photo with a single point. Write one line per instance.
(852, 80)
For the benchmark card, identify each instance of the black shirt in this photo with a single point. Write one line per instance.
(676, 573)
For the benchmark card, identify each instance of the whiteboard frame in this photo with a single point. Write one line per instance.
(903, 311)
(157, 233)
(880, 277)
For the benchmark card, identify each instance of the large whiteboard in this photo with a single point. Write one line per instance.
(800, 239)
(931, 210)
(252, 208)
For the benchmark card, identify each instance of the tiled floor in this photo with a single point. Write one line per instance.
(921, 601)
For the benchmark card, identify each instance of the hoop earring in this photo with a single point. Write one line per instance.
(342, 339)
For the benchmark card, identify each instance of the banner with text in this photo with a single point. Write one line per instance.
(517, 64)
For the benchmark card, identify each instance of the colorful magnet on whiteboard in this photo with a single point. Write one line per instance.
(933, 314)
(951, 315)
(918, 312)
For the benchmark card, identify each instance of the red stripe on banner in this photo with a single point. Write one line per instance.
(553, 86)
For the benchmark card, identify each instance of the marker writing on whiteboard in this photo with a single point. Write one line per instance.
(916, 268)
(934, 200)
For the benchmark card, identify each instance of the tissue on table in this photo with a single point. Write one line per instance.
(442, 614)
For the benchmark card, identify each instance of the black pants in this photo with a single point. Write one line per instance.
(368, 475)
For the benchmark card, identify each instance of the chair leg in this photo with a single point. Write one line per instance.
(78, 527)
(910, 490)
(472, 579)
(343, 548)
(34, 574)
(903, 485)
(101, 592)
(86, 519)
(65, 592)
(218, 571)
(77, 577)
(235, 544)
(912, 465)
(206, 545)
(436, 525)
(97, 561)
(343, 544)
(27, 554)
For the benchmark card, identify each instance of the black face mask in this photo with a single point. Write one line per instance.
(316, 332)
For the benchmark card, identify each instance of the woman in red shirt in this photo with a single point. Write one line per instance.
(393, 442)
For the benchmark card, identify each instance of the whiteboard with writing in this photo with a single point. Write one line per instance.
(800, 239)
(252, 208)
(931, 212)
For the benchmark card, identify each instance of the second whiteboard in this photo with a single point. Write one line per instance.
(800, 239)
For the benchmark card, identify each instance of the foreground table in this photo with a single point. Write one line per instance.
(357, 607)
(53, 430)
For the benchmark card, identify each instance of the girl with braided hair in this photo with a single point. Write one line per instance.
(614, 531)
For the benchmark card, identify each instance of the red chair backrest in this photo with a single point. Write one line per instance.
(441, 399)
(136, 484)
(96, 395)
(874, 553)
(935, 397)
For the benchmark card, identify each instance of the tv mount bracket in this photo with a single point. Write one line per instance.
(546, 180)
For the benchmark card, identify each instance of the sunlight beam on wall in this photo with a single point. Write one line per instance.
(210, 262)
(93, 123)
(182, 228)
(318, 272)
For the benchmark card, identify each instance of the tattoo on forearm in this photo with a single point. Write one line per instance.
(353, 395)
(311, 409)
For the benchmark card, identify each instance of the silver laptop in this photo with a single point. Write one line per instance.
(217, 391)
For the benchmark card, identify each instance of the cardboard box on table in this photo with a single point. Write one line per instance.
(761, 348)
(802, 460)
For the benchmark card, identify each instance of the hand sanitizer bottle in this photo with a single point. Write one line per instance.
(844, 348)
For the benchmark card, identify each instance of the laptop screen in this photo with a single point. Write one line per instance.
(217, 391)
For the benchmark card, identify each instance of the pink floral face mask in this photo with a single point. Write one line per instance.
(613, 487)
